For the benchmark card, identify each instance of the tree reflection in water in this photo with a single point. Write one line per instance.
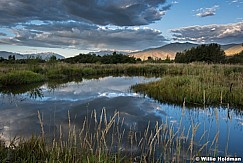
(33, 91)
(36, 93)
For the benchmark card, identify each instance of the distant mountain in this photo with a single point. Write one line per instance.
(171, 50)
(233, 49)
(44, 56)
(109, 52)
(5, 54)
(163, 51)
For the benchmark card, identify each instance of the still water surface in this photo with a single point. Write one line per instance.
(18, 111)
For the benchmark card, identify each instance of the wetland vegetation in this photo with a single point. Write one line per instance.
(191, 83)
(103, 138)
(198, 85)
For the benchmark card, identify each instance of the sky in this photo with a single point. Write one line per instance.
(70, 27)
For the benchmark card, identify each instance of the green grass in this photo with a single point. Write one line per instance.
(100, 138)
(196, 83)
(212, 85)
(20, 77)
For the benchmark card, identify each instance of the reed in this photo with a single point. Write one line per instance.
(103, 139)
(211, 86)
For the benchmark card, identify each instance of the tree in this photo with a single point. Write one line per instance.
(1, 59)
(167, 59)
(53, 58)
(10, 57)
(211, 53)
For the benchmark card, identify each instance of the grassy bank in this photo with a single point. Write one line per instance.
(205, 85)
(20, 77)
(103, 139)
(25, 73)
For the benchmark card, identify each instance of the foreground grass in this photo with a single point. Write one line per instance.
(103, 139)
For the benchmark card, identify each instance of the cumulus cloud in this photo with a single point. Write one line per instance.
(226, 33)
(84, 36)
(115, 12)
(204, 12)
(82, 24)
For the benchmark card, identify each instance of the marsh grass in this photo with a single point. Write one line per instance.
(20, 77)
(194, 84)
(209, 85)
(105, 138)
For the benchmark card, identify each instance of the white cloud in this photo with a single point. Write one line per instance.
(84, 36)
(174, 2)
(204, 12)
(225, 33)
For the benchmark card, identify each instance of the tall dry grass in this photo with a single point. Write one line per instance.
(105, 138)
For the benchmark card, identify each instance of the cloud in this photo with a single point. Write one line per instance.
(81, 24)
(175, 2)
(225, 33)
(2, 34)
(204, 12)
(84, 36)
(117, 12)
(106, 12)
(17, 12)
(236, 2)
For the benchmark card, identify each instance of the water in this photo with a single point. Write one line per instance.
(18, 110)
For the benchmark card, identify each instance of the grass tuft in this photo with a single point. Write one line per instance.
(20, 77)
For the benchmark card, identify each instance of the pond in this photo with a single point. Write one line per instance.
(55, 103)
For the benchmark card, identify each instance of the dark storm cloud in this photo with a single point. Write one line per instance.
(101, 12)
(82, 24)
(117, 12)
(226, 33)
(22, 11)
(84, 36)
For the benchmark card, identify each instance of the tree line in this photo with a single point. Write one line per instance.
(211, 53)
(106, 59)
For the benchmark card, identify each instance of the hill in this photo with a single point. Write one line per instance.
(163, 51)
(235, 49)
(5, 54)
(109, 52)
(171, 50)
(44, 56)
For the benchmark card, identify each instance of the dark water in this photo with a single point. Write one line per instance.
(18, 110)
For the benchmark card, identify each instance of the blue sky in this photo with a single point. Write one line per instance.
(70, 27)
